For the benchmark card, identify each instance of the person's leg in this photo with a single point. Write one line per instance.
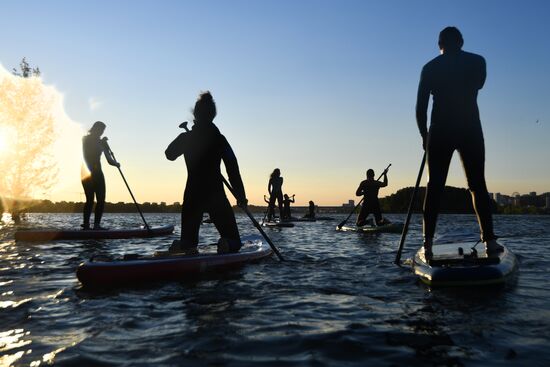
(271, 208)
(439, 151)
(223, 218)
(99, 187)
(191, 217)
(363, 214)
(88, 186)
(280, 203)
(377, 213)
(472, 154)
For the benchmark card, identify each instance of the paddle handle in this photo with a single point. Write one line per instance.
(409, 213)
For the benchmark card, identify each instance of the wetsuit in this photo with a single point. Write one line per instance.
(286, 208)
(275, 188)
(453, 79)
(204, 147)
(94, 181)
(369, 190)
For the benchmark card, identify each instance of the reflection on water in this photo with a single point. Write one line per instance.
(9, 341)
(338, 300)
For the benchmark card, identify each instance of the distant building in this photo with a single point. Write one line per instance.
(533, 193)
(547, 201)
(498, 198)
(349, 204)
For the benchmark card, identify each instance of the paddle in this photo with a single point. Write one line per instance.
(360, 201)
(127, 186)
(409, 213)
(267, 211)
(245, 209)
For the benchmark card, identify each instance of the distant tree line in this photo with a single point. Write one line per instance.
(458, 200)
(47, 206)
(454, 200)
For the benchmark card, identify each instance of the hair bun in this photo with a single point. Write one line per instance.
(206, 96)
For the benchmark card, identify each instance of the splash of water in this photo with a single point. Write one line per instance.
(41, 151)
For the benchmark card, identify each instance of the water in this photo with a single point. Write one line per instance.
(338, 300)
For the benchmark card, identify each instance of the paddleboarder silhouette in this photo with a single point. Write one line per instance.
(204, 148)
(369, 190)
(311, 210)
(275, 189)
(454, 79)
(92, 176)
(286, 206)
(270, 209)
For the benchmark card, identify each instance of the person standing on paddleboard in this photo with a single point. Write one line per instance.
(369, 190)
(454, 79)
(92, 178)
(275, 189)
(204, 148)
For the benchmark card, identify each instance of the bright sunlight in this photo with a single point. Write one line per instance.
(3, 143)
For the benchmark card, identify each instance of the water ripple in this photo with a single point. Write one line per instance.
(337, 300)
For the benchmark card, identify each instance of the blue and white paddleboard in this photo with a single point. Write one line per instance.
(455, 264)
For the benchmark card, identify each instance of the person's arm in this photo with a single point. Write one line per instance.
(232, 168)
(360, 190)
(292, 200)
(422, 101)
(176, 147)
(482, 72)
(108, 154)
(265, 199)
(385, 182)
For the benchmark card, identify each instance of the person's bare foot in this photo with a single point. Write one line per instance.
(428, 254)
(177, 248)
(493, 247)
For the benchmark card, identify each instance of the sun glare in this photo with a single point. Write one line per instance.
(3, 142)
(5, 136)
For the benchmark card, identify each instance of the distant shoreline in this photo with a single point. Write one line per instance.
(455, 201)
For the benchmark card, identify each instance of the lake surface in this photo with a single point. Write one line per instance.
(337, 301)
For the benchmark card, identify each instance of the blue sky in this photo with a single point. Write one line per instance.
(321, 89)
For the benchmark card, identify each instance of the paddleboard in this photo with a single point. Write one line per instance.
(56, 234)
(386, 228)
(453, 264)
(294, 219)
(277, 224)
(136, 270)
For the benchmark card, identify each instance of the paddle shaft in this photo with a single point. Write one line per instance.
(266, 212)
(360, 201)
(254, 221)
(409, 213)
(128, 187)
(245, 209)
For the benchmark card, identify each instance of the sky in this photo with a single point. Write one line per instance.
(322, 90)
